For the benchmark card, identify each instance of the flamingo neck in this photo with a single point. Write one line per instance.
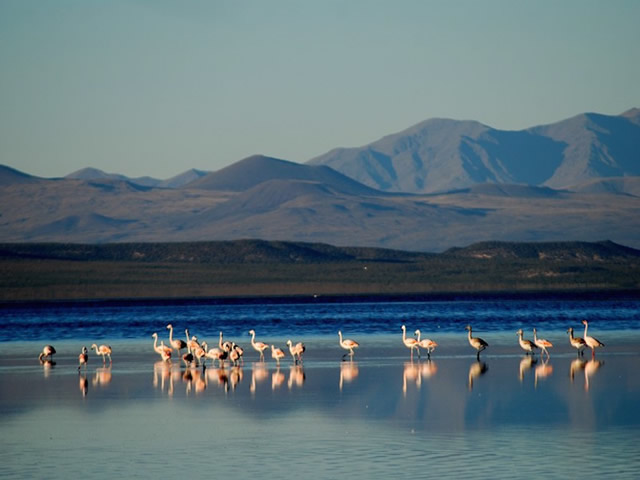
(418, 333)
(586, 325)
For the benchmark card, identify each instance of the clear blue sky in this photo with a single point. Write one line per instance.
(157, 87)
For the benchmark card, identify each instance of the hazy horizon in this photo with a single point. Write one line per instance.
(156, 88)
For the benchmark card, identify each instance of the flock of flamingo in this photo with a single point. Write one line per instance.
(197, 353)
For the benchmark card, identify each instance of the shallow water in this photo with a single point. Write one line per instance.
(377, 416)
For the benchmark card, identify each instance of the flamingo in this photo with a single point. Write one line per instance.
(410, 343)
(47, 352)
(166, 352)
(199, 354)
(259, 347)
(296, 350)
(83, 358)
(239, 349)
(427, 344)
(235, 354)
(591, 342)
(103, 350)
(188, 359)
(576, 342)
(226, 346)
(162, 350)
(541, 343)
(347, 344)
(527, 345)
(192, 342)
(215, 354)
(176, 343)
(476, 342)
(277, 354)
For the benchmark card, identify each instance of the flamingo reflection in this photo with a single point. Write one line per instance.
(162, 371)
(259, 373)
(526, 363)
(102, 376)
(235, 376)
(296, 376)
(83, 384)
(542, 371)
(220, 376)
(277, 379)
(47, 365)
(576, 365)
(591, 367)
(428, 369)
(348, 373)
(476, 370)
(194, 380)
(410, 373)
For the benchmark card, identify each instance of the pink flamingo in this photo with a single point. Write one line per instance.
(426, 343)
(591, 342)
(541, 343)
(410, 343)
(347, 344)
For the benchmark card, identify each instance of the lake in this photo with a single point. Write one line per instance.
(376, 415)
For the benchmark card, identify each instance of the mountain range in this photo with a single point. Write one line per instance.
(440, 155)
(438, 184)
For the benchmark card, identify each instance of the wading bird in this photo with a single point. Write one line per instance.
(576, 342)
(215, 354)
(192, 342)
(426, 343)
(347, 344)
(162, 350)
(541, 343)
(410, 343)
(591, 342)
(259, 347)
(277, 354)
(104, 350)
(527, 345)
(176, 343)
(476, 342)
(47, 353)
(83, 358)
(296, 350)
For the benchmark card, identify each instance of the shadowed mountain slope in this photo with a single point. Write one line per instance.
(441, 154)
(254, 170)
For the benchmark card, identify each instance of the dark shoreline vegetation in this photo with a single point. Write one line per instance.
(43, 272)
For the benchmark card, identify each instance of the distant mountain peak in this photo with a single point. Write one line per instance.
(256, 169)
(439, 155)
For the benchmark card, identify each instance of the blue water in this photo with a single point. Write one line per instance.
(135, 320)
(381, 415)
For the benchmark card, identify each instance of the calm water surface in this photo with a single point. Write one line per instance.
(380, 415)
